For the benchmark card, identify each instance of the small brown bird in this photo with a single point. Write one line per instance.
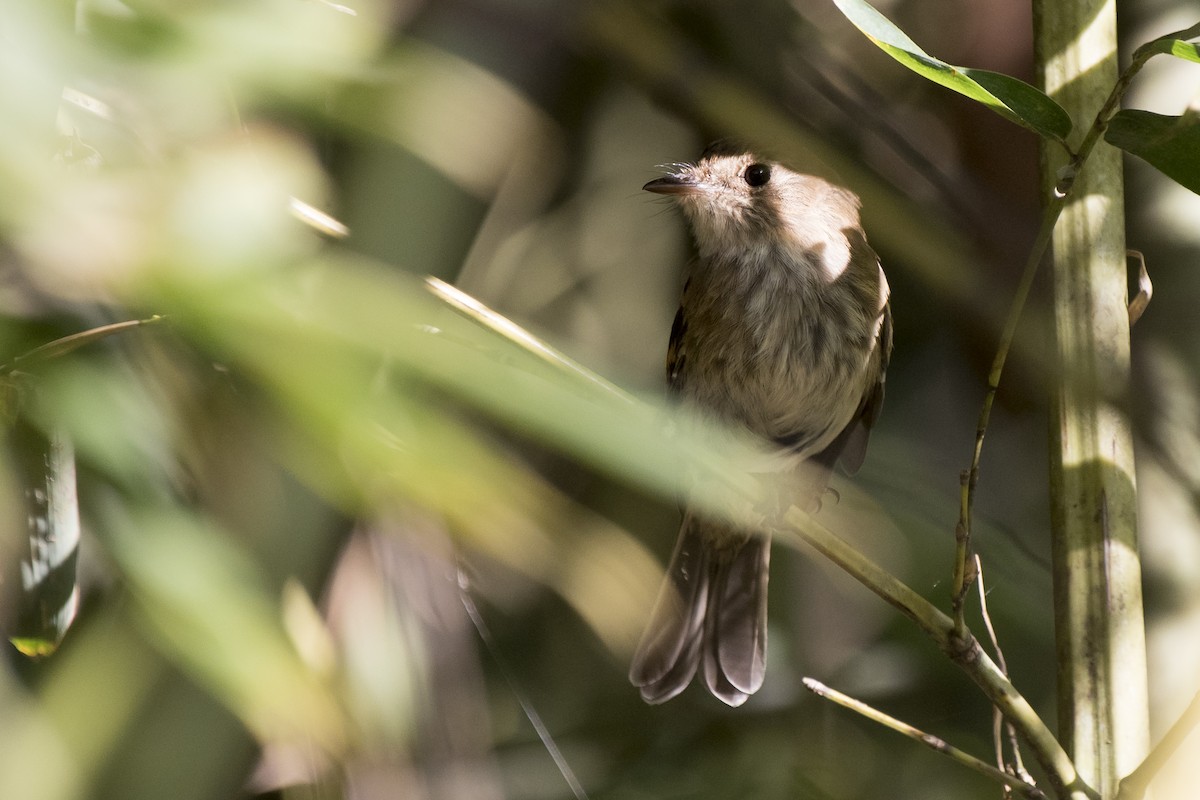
(784, 329)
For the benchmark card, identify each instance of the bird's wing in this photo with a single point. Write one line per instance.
(676, 357)
(850, 447)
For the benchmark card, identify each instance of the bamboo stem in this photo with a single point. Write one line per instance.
(1097, 575)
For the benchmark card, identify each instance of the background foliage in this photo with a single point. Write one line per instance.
(285, 481)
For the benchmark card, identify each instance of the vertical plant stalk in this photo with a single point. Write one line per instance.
(1097, 574)
(49, 591)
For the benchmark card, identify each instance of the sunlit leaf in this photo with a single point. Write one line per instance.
(1173, 44)
(1170, 144)
(1012, 99)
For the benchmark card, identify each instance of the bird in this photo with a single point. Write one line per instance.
(784, 330)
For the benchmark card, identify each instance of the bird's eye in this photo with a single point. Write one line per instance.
(757, 175)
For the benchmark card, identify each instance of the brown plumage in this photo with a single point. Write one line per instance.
(784, 329)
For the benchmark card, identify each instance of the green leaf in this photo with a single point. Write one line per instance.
(1185, 50)
(200, 596)
(1173, 44)
(1170, 144)
(1012, 99)
(1033, 108)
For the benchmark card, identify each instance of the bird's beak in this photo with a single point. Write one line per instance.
(674, 184)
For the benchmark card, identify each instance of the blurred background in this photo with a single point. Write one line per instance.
(337, 540)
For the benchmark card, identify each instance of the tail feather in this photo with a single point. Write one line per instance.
(712, 607)
(677, 678)
(669, 651)
(738, 603)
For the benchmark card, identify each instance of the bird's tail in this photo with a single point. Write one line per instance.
(711, 610)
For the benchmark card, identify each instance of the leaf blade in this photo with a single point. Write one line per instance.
(1013, 99)
(1173, 44)
(1169, 144)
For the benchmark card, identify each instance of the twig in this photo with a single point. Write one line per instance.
(1050, 215)
(928, 739)
(471, 308)
(971, 479)
(535, 719)
(963, 577)
(999, 724)
(1135, 784)
(320, 221)
(965, 652)
(66, 344)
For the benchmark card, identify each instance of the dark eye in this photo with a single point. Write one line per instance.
(757, 175)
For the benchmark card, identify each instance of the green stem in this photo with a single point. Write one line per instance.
(929, 740)
(1063, 185)
(965, 652)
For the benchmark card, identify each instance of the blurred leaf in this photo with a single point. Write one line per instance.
(1012, 99)
(1174, 44)
(201, 599)
(55, 742)
(323, 336)
(1170, 144)
(464, 121)
(113, 421)
(271, 45)
(357, 438)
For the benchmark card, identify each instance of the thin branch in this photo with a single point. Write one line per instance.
(320, 221)
(962, 556)
(472, 309)
(997, 717)
(1135, 784)
(1050, 215)
(965, 652)
(66, 344)
(928, 739)
(963, 576)
(999, 723)
(531, 713)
